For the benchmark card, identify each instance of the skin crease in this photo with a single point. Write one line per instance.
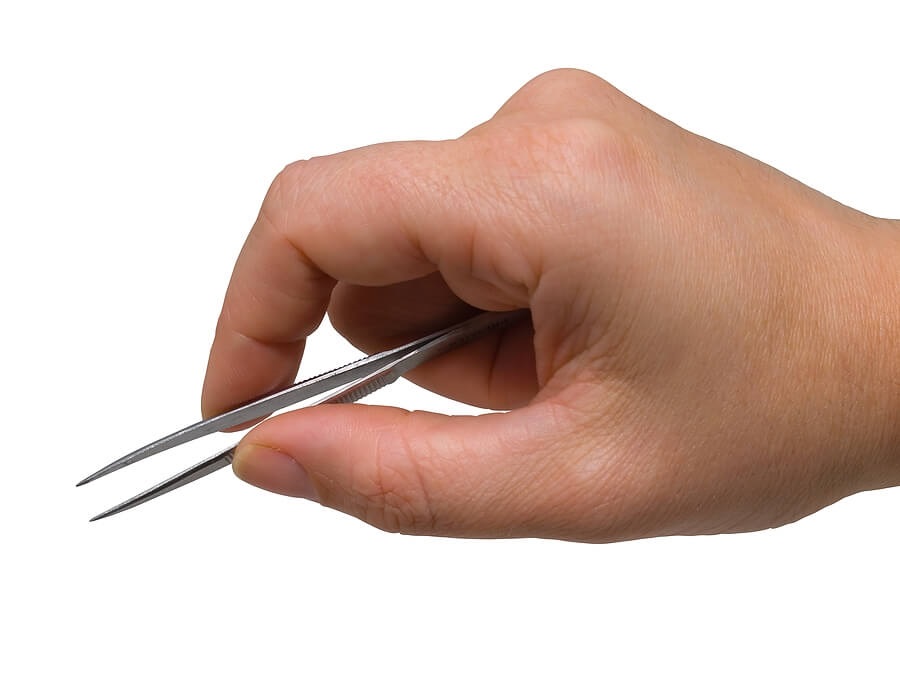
(712, 346)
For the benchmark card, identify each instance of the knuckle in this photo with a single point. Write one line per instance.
(568, 89)
(285, 184)
(297, 188)
(567, 78)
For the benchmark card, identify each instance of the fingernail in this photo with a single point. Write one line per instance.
(272, 470)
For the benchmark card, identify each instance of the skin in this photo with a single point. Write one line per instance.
(712, 346)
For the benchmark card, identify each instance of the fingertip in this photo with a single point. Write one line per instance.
(272, 470)
(240, 369)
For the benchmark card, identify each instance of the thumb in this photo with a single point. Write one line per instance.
(413, 472)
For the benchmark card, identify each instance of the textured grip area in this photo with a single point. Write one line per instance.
(363, 390)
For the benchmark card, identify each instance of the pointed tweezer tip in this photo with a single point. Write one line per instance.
(106, 514)
(106, 470)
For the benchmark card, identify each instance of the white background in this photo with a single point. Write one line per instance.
(136, 143)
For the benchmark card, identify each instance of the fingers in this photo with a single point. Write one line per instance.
(375, 216)
(493, 475)
(369, 315)
(260, 333)
(496, 372)
(475, 210)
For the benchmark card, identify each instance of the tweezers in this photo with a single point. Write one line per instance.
(346, 384)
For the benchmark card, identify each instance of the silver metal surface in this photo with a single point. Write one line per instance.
(255, 409)
(346, 384)
(189, 475)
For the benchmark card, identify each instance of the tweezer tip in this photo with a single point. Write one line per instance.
(89, 479)
(105, 471)
(118, 508)
(105, 514)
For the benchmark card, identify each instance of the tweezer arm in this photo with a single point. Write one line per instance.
(419, 351)
(384, 369)
(253, 410)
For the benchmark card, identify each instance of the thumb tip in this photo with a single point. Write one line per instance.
(270, 469)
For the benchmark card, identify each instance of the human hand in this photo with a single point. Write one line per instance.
(710, 348)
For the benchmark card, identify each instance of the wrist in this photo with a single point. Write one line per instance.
(877, 339)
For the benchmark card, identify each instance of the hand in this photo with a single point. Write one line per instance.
(713, 346)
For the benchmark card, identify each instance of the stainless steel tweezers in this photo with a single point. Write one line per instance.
(342, 385)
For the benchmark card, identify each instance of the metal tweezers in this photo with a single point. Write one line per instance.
(342, 385)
